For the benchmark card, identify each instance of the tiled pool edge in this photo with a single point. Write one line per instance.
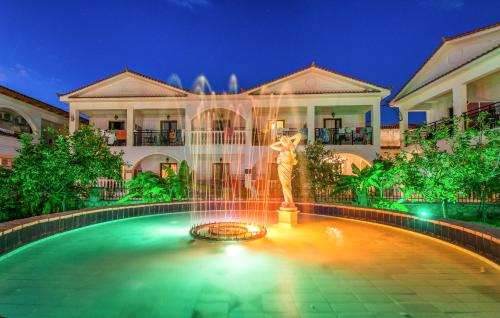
(16, 233)
(483, 244)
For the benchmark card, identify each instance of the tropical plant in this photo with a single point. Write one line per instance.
(359, 183)
(150, 188)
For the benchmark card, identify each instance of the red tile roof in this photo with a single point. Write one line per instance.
(312, 66)
(445, 40)
(126, 70)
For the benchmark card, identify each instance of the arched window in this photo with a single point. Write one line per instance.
(13, 124)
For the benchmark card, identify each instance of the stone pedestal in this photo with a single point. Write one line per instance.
(288, 217)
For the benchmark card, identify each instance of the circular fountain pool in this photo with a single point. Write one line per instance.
(327, 267)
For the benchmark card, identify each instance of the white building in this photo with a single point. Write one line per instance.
(23, 114)
(462, 76)
(156, 124)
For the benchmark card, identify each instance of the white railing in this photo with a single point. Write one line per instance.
(218, 137)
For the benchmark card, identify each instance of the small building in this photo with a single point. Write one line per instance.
(461, 77)
(219, 134)
(20, 114)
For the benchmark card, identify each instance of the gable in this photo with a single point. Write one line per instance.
(314, 80)
(129, 85)
(452, 54)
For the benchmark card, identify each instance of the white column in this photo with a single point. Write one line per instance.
(249, 127)
(74, 119)
(375, 118)
(403, 125)
(310, 123)
(459, 99)
(187, 126)
(130, 126)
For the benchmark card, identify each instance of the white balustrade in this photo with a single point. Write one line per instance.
(218, 137)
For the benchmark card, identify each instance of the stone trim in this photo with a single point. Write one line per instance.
(16, 233)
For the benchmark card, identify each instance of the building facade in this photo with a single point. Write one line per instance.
(156, 124)
(461, 77)
(23, 114)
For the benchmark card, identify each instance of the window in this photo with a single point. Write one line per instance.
(221, 124)
(332, 123)
(6, 162)
(116, 125)
(220, 171)
(164, 166)
(275, 124)
(168, 125)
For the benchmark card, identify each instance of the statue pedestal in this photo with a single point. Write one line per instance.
(288, 217)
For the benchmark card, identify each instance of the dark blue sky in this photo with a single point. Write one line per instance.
(59, 45)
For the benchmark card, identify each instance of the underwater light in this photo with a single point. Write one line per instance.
(424, 214)
(234, 249)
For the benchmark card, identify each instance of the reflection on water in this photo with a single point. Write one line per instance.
(151, 267)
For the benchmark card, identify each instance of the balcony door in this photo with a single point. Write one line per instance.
(116, 125)
(332, 123)
(168, 125)
(221, 124)
(221, 172)
(275, 124)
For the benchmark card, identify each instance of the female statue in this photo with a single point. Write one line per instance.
(286, 160)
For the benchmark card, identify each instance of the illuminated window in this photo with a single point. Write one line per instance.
(164, 170)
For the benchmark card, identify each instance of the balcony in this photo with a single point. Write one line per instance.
(344, 136)
(227, 136)
(114, 137)
(264, 136)
(490, 111)
(11, 129)
(159, 138)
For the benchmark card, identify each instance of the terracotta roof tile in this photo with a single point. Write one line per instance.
(313, 65)
(35, 102)
(126, 70)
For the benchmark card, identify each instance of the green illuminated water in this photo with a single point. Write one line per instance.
(150, 267)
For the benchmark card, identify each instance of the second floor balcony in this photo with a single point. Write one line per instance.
(229, 136)
(485, 113)
(344, 136)
(264, 137)
(159, 138)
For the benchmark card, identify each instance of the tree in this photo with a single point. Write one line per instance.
(322, 165)
(53, 177)
(9, 197)
(432, 169)
(478, 151)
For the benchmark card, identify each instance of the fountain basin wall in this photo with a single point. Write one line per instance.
(17, 233)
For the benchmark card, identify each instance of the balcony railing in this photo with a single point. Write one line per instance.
(159, 138)
(345, 136)
(13, 130)
(470, 118)
(266, 137)
(218, 137)
(114, 137)
(490, 109)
